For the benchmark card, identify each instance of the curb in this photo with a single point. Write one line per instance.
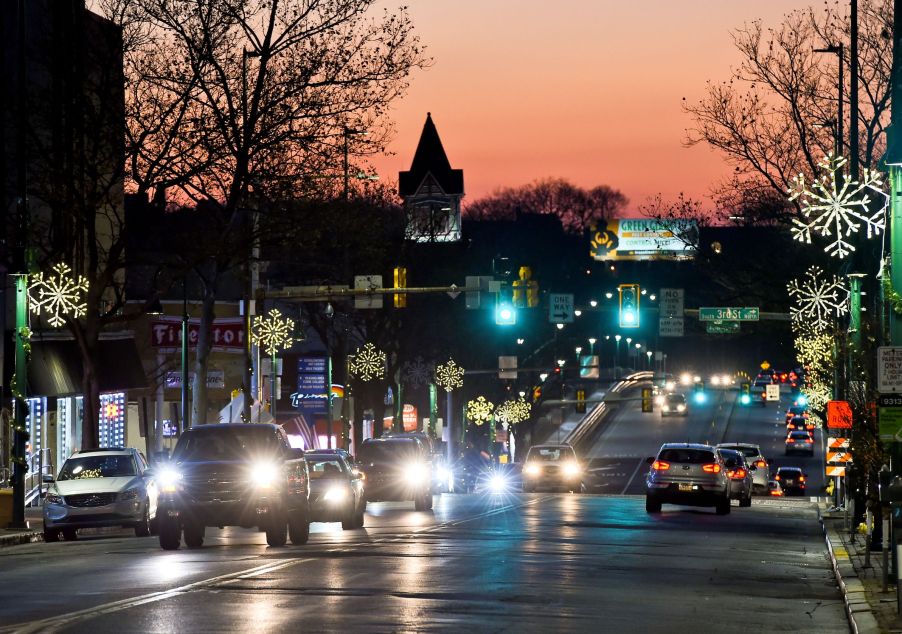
(858, 610)
(21, 537)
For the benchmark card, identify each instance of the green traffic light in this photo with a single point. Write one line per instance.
(505, 315)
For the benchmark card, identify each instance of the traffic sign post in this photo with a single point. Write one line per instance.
(727, 313)
(560, 308)
(889, 369)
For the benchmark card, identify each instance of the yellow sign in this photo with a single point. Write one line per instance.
(765, 365)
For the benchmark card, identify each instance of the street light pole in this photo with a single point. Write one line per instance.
(837, 49)
(183, 423)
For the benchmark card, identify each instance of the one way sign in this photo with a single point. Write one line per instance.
(560, 308)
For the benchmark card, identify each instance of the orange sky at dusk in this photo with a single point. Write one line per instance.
(587, 90)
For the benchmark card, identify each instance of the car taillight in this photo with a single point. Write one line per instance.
(660, 465)
(760, 463)
(738, 474)
(776, 492)
(809, 440)
(801, 478)
(789, 441)
(777, 478)
(711, 468)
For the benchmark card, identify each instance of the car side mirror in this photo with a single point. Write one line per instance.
(649, 460)
(148, 473)
(48, 478)
(294, 453)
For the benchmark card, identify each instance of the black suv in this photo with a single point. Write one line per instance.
(792, 479)
(397, 469)
(233, 475)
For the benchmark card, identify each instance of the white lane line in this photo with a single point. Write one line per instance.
(54, 623)
(630, 481)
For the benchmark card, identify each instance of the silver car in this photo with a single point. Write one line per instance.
(740, 474)
(753, 458)
(691, 474)
(103, 487)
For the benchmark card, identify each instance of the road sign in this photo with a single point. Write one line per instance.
(507, 367)
(837, 443)
(839, 457)
(368, 282)
(727, 313)
(835, 471)
(889, 369)
(670, 303)
(839, 415)
(560, 308)
(772, 392)
(588, 366)
(670, 326)
(722, 327)
(889, 417)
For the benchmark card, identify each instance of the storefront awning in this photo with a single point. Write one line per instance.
(55, 367)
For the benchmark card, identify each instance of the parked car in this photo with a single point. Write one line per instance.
(675, 405)
(800, 441)
(740, 475)
(552, 466)
(233, 475)
(753, 457)
(101, 487)
(336, 490)
(691, 474)
(397, 469)
(792, 480)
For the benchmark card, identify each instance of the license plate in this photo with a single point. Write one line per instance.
(790, 482)
(685, 487)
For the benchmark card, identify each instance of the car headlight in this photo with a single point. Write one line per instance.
(416, 472)
(666, 408)
(53, 498)
(168, 479)
(264, 474)
(129, 494)
(659, 400)
(498, 483)
(571, 469)
(681, 408)
(335, 494)
(443, 474)
(532, 470)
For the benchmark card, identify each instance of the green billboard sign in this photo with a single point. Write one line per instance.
(729, 313)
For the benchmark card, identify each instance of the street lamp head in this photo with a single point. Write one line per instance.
(543, 376)
(652, 297)
(329, 311)
(609, 294)
(835, 49)
(520, 341)
(638, 346)
(629, 340)
(561, 362)
(560, 326)
(592, 340)
(578, 312)
(618, 338)
(593, 303)
(578, 349)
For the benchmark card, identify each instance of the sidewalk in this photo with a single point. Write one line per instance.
(33, 534)
(869, 609)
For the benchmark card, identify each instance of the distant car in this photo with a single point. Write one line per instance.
(800, 422)
(757, 462)
(552, 466)
(740, 476)
(101, 487)
(792, 480)
(397, 469)
(800, 441)
(691, 474)
(675, 405)
(774, 488)
(336, 490)
(796, 410)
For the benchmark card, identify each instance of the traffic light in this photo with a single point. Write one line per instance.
(745, 396)
(647, 402)
(505, 313)
(525, 289)
(629, 305)
(536, 393)
(400, 299)
(580, 401)
(699, 391)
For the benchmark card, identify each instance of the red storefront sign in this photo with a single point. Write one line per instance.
(166, 334)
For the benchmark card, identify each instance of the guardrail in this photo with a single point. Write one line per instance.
(586, 428)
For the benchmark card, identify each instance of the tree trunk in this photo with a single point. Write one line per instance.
(202, 359)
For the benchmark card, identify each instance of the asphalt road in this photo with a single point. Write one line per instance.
(544, 563)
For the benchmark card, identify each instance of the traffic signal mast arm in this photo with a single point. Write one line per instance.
(324, 293)
(693, 312)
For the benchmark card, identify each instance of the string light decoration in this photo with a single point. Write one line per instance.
(59, 296)
(835, 207)
(273, 333)
(368, 363)
(513, 411)
(479, 410)
(449, 376)
(819, 299)
(815, 353)
(417, 373)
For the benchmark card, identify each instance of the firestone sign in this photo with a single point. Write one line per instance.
(166, 334)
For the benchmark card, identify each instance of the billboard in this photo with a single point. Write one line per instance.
(644, 239)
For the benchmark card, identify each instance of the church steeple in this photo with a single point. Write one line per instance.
(432, 190)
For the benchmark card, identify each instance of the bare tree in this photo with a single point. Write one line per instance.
(577, 208)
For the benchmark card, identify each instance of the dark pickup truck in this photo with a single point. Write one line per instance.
(233, 475)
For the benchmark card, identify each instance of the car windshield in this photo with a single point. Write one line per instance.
(549, 454)
(383, 452)
(748, 452)
(686, 455)
(799, 434)
(676, 399)
(325, 468)
(83, 467)
(789, 473)
(225, 443)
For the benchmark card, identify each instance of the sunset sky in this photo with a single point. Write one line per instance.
(587, 90)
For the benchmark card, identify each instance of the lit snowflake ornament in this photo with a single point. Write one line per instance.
(836, 207)
(449, 376)
(513, 411)
(273, 333)
(368, 363)
(479, 410)
(59, 295)
(417, 373)
(819, 299)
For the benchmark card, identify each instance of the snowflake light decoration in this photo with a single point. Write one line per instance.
(417, 373)
(59, 295)
(836, 207)
(449, 376)
(819, 298)
(273, 332)
(479, 410)
(368, 363)
(513, 411)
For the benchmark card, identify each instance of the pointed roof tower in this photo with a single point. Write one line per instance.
(430, 159)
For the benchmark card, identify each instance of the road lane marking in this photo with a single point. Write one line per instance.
(630, 481)
(54, 623)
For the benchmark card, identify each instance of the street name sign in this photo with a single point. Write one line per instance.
(889, 369)
(560, 308)
(727, 313)
(368, 282)
(671, 302)
(722, 327)
(670, 326)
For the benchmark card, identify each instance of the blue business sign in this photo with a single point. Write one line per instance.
(312, 392)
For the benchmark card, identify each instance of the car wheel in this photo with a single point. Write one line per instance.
(723, 507)
(298, 528)
(349, 523)
(170, 533)
(51, 535)
(358, 519)
(194, 534)
(70, 534)
(652, 505)
(277, 529)
(142, 528)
